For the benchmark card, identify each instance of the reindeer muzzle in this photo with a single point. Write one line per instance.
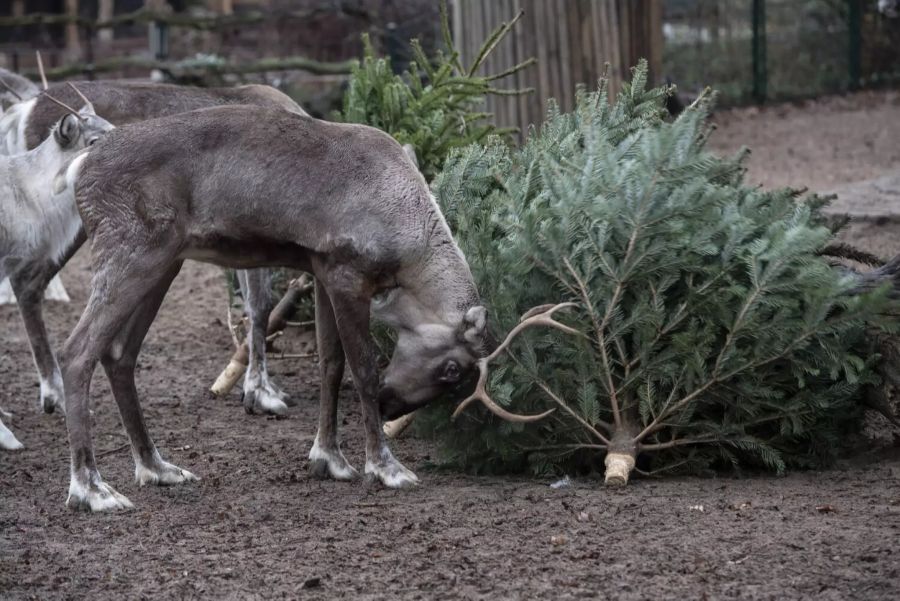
(392, 406)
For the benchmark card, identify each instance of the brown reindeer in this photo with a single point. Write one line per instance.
(250, 187)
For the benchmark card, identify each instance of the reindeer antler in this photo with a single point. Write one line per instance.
(62, 104)
(10, 89)
(77, 91)
(541, 315)
(40, 62)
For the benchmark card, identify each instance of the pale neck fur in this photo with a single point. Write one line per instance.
(439, 288)
(42, 222)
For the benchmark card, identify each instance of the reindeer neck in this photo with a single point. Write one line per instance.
(35, 170)
(444, 282)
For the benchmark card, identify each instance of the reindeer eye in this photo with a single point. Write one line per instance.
(451, 372)
(383, 295)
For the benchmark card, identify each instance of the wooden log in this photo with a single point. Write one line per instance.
(237, 365)
(395, 428)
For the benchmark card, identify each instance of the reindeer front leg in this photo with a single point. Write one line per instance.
(325, 457)
(29, 283)
(351, 307)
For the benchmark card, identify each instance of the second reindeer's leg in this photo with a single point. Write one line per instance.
(119, 362)
(260, 393)
(29, 283)
(325, 457)
(351, 308)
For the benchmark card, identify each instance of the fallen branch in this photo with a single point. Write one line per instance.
(277, 320)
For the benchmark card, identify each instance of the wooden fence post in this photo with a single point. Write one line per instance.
(854, 52)
(73, 33)
(760, 75)
(573, 41)
(105, 12)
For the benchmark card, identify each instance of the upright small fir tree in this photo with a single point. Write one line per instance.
(436, 105)
(707, 327)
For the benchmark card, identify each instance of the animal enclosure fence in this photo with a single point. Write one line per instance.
(748, 50)
(760, 50)
(573, 41)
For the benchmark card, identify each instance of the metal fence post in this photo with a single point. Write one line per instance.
(854, 51)
(759, 51)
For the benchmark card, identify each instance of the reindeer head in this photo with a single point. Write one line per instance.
(79, 129)
(434, 356)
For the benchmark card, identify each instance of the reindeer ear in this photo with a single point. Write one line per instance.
(68, 130)
(474, 325)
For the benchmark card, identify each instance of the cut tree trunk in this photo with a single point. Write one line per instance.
(620, 456)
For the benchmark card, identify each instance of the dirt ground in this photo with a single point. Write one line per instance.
(258, 526)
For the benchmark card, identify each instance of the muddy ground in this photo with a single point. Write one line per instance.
(257, 525)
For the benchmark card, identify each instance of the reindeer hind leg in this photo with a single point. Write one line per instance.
(119, 362)
(123, 277)
(261, 394)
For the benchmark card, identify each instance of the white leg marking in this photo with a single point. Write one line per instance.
(52, 396)
(94, 495)
(331, 459)
(389, 471)
(8, 440)
(161, 473)
(266, 397)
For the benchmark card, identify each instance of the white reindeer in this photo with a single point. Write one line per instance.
(16, 95)
(38, 217)
(15, 89)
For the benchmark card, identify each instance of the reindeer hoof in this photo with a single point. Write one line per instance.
(261, 400)
(162, 473)
(52, 398)
(392, 474)
(8, 440)
(95, 496)
(330, 463)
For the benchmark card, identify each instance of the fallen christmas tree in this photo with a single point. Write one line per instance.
(703, 327)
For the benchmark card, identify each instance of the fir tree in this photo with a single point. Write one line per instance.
(709, 329)
(436, 105)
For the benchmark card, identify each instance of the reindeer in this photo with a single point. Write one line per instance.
(28, 123)
(15, 88)
(39, 221)
(252, 187)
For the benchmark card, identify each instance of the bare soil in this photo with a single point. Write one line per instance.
(258, 526)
